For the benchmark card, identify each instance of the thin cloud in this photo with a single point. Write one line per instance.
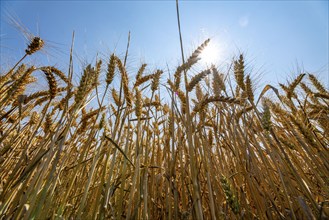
(244, 21)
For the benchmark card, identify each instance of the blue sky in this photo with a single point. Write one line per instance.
(278, 37)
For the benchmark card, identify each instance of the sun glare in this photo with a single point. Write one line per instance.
(211, 54)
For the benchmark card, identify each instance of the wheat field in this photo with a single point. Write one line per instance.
(154, 146)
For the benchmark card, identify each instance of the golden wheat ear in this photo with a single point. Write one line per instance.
(155, 80)
(125, 82)
(110, 69)
(196, 79)
(239, 71)
(218, 84)
(51, 81)
(35, 45)
(317, 84)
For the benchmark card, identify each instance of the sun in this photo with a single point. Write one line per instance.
(211, 54)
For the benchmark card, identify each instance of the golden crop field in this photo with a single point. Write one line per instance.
(187, 146)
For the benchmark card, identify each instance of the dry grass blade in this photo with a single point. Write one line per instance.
(121, 151)
(265, 89)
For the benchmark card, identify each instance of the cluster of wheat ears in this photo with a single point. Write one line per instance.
(213, 151)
